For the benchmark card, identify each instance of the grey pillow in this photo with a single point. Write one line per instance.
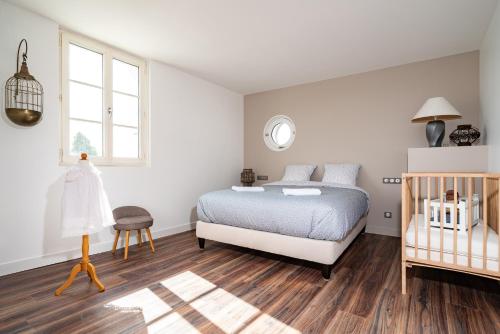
(298, 173)
(341, 173)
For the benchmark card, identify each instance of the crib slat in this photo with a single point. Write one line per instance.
(410, 197)
(463, 186)
(443, 217)
(428, 222)
(485, 220)
(436, 187)
(455, 220)
(469, 221)
(404, 207)
(417, 196)
(498, 224)
(406, 214)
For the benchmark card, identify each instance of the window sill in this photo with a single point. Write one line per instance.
(71, 161)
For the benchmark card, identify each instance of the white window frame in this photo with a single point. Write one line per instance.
(268, 129)
(109, 53)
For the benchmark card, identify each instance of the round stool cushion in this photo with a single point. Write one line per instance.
(133, 223)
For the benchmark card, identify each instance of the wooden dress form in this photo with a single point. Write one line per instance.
(85, 214)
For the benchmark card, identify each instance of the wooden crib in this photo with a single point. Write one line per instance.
(473, 200)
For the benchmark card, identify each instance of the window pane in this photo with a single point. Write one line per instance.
(281, 133)
(125, 78)
(85, 137)
(125, 110)
(85, 65)
(85, 102)
(125, 142)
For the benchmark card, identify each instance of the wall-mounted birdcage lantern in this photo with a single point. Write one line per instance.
(23, 94)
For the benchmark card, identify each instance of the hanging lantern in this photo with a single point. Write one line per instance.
(23, 94)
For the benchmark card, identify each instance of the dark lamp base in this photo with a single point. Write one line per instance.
(435, 133)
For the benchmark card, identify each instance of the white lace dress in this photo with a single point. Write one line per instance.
(85, 205)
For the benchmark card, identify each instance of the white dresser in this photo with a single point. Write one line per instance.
(448, 159)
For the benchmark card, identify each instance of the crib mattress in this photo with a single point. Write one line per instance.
(462, 251)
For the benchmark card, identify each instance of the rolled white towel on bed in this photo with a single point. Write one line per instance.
(247, 189)
(301, 191)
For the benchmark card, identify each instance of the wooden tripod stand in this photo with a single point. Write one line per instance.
(85, 265)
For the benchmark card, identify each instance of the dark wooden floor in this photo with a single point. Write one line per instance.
(229, 289)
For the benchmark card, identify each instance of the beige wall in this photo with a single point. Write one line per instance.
(362, 118)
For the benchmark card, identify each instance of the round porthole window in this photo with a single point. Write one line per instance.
(279, 133)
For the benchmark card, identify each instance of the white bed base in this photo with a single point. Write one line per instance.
(320, 251)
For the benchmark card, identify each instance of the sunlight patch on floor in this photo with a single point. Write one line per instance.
(267, 324)
(225, 310)
(145, 301)
(188, 285)
(172, 323)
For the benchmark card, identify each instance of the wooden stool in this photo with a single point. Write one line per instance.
(129, 218)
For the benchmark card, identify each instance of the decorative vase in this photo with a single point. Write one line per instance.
(465, 135)
(247, 177)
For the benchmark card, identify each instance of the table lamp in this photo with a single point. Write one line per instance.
(435, 111)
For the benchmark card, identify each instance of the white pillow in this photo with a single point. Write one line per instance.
(341, 173)
(298, 172)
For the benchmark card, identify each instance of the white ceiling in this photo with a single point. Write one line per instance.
(256, 45)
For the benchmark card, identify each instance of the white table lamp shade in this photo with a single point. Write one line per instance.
(436, 108)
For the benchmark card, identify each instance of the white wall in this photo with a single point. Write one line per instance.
(196, 138)
(490, 89)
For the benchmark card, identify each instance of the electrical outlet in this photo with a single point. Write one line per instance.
(262, 177)
(391, 180)
(387, 214)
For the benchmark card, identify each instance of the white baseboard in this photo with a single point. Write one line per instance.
(376, 229)
(100, 247)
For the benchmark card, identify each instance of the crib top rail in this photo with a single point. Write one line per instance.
(453, 174)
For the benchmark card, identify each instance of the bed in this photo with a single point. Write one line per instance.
(313, 228)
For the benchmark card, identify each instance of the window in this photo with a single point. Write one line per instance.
(104, 103)
(279, 133)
